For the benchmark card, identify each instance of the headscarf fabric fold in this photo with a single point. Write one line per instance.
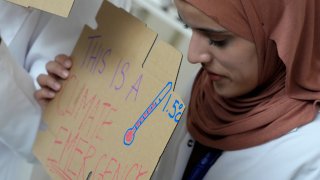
(287, 38)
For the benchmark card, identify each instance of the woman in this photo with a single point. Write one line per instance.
(253, 110)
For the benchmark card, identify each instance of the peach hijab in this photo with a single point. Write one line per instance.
(287, 37)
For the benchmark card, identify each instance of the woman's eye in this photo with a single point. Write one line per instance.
(219, 43)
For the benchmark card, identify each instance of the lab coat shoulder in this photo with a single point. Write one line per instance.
(295, 155)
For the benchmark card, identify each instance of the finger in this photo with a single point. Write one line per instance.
(48, 82)
(44, 94)
(57, 69)
(64, 60)
(43, 103)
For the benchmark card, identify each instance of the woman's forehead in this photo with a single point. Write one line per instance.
(195, 18)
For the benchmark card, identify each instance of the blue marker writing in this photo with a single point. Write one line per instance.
(130, 133)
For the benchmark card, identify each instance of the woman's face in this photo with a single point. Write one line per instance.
(231, 61)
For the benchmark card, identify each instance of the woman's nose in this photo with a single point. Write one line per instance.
(198, 49)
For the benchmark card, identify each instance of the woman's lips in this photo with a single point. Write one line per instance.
(214, 76)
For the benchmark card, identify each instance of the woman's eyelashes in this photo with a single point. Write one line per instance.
(218, 43)
(219, 40)
(184, 24)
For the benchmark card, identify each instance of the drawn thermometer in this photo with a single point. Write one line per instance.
(130, 133)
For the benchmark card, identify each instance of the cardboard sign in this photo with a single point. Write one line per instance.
(58, 7)
(117, 110)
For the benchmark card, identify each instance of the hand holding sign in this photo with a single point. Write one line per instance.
(117, 110)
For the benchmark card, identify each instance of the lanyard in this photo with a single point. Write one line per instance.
(200, 169)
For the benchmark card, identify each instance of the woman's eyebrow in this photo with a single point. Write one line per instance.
(206, 30)
(213, 31)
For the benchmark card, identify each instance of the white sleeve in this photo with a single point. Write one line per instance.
(12, 18)
(19, 111)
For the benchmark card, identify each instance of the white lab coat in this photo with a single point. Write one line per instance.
(19, 118)
(34, 38)
(294, 156)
